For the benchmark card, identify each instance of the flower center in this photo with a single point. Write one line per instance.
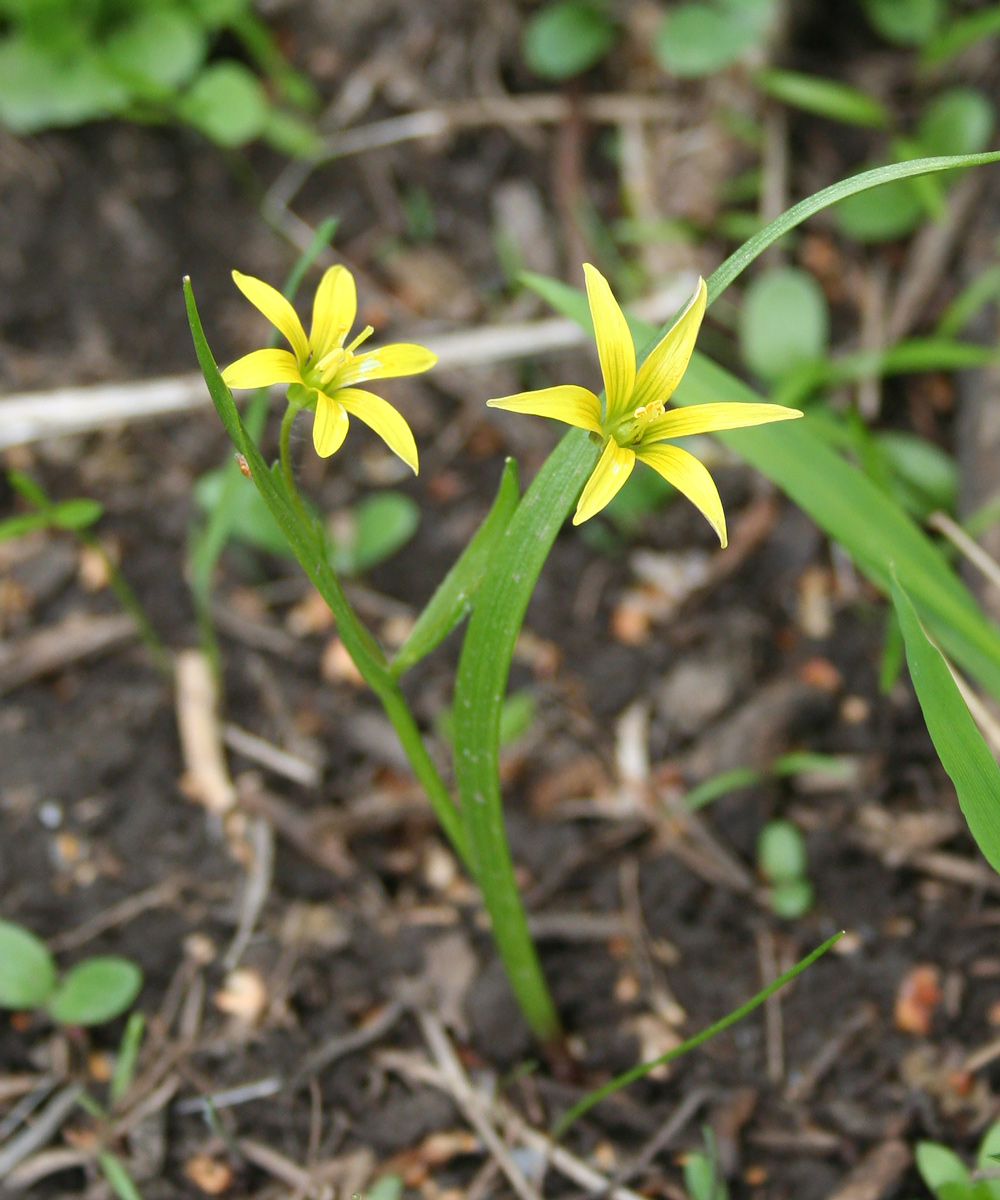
(632, 430)
(322, 373)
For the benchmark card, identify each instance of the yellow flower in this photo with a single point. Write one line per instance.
(322, 371)
(635, 423)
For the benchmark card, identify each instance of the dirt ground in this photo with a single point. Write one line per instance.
(650, 925)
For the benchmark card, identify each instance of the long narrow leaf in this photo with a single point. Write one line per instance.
(960, 746)
(452, 601)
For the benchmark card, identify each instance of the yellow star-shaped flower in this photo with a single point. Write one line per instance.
(635, 424)
(324, 369)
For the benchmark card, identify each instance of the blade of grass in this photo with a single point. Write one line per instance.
(960, 746)
(692, 1043)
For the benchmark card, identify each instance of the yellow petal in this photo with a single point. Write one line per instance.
(261, 368)
(615, 347)
(278, 311)
(379, 415)
(335, 306)
(398, 358)
(660, 374)
(329, 426)
(613, 468)
(705, 418)
(689, 476)
(567, 402)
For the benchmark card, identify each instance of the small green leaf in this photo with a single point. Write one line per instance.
(27, 972)
(781, 852)
(127, 1057)
(905, 22)
(960, 34)
(164, 47)
(76, 514)
(791, 899)
(823, 97)
(249, 518)
(373, 531)
(516, 717)
(567, 37)
(701, 1178)
(39, 89)
(922, 477)
(960, 746)
(958, 121)
(455, 595)
(699, 39)
(15, 527)
(115, 1172)
(28, 489)
(881, 215)
(96, 990)
(989, 1149)
(784, 321)
(719, 785)
(387, 1187)
(291, 134)
(227, 103)
(939, 1166)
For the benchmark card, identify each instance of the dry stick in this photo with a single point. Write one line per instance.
(985, 563)
(465, 1096)
(873, 336)
(266, 754)
(662, 999)
(774, 175)
(317, 842)
(811, 1075)
(877, 1174)
(49, 650)
(773, 1023)
(159, 896)
(47, 1124)
(29, 416)
(206, 776)
(348, 1043)
(46, 1162)
(257, 887)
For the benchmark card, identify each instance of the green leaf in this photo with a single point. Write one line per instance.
(96, 990)
(958, 121)
(28, 489)
(227, 103)
(15, 527)
(905, 22)
(39, 90)
(791, 899)
(516, 717)
(960, 34)
(989, 1149)
(984, 288)
(781, 852)
(891, 212)
(784, 321)
(76, 514)
(164, 47)
(939, 1166)
(250, 519)
(115, 1172)
(699, 39)
(455, 595)
(566, 38)
(387, 1187)
(701, 1178)
(699, 1039)
(291, 134)
(27, 972)
(720, 785)
(959, 744)
(127, 1057)
(823, 97)
(922, 477)
(373, 531)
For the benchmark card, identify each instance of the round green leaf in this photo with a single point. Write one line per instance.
(227, 103)
(922, 477)
(27, 972)
(162, 46)
(95, 991)
(250, 519)
(781, 852)
(959, 121)
(39, 89)
(375, 530)
(696, 39)
(905, 22)
(881, 214)
(566, 38)
(939, 1166)
(792, 899)
(783, 322)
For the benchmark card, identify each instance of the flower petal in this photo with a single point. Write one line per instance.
(689, 476)
(329, 426)
(335, 306)
(379, 415)
(567, 402)
(705, 418)
(398, 358)
(613, 468)
(278, 311)
(261, 368)
(615, 347)
(660, 374)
